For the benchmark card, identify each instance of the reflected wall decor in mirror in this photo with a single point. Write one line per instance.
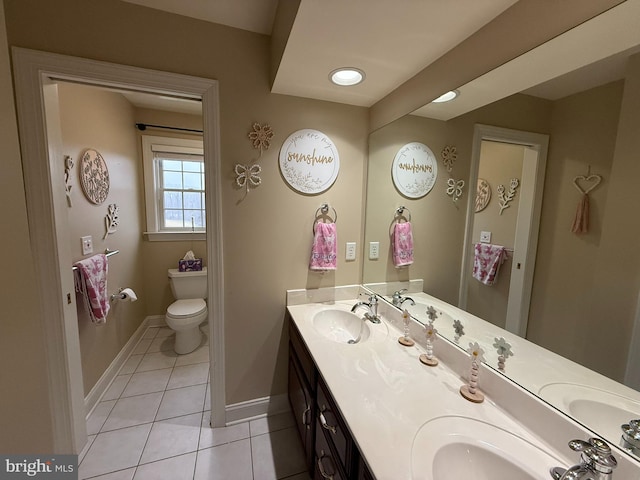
(568, 108)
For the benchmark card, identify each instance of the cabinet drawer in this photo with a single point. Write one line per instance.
(327, 466)
(331, 423)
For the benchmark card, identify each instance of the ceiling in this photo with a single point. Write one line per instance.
(394, 41)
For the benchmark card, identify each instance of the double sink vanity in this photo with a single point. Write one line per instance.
(367, 408)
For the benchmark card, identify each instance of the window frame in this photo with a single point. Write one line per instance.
(153, 202)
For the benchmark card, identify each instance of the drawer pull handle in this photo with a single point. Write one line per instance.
(321, 467)
(304, 416)
(325, 425)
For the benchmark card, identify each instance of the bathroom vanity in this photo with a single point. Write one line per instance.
(367, 408)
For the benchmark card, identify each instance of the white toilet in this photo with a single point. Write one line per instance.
(189, 310)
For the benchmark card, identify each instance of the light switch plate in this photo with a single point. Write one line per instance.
(351, 251)
(485, 237)
(374, 250)
(87, 245)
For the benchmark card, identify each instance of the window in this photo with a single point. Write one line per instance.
(175, 188)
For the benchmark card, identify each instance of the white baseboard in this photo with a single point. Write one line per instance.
(257, 408)
(101, 386)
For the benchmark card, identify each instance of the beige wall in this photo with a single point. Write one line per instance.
(499, 163)
(103, 120)
(267, 234)
(25, 419)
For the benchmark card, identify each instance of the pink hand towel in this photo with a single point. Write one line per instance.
(324, 252)
(487, 261)
(91, 283)
(402, 242)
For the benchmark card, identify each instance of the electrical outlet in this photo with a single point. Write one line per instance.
(87, 245)
(374, 250)
(485, 237)
(351, 251)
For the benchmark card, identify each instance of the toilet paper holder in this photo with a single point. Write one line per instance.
(124, 294)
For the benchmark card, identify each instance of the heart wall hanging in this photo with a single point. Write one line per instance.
(584, 184)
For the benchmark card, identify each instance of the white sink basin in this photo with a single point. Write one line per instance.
(603, 411)
(341, 326)
(458, 448)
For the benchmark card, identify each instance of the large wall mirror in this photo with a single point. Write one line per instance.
(567, 302)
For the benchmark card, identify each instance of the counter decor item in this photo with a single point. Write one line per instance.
(430, 333)
(309, 161)
(504, 351)
(458, 329)
(584, 184)
(94, 176)
(414, 170)
(470, 391)
(405, 339)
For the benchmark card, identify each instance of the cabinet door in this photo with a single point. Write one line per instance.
(302, 407)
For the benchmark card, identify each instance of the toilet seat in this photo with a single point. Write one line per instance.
(186, 308)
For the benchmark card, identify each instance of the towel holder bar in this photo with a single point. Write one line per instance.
(107, 252)
(323, 213)
(400, 212)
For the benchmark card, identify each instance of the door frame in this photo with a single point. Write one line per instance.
(35, 74)
(528, 225)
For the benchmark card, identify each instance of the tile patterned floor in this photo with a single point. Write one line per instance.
(153, 424)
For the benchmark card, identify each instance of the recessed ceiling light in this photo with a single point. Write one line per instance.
(447, 97)
(347, 76)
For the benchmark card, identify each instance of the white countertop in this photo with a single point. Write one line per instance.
(386, 395)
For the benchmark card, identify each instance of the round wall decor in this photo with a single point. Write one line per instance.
(483, 195)
(414, 170)
(309, 161)
(94, 176)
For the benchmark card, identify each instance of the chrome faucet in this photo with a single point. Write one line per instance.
(630, 440)
(596, 462)
(372, 305)
(397, 299)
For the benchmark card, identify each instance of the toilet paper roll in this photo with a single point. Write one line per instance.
(128, 295)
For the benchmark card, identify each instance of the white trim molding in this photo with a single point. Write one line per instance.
(35, 77)
(257, 408)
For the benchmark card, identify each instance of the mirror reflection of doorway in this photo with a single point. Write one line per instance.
(500, 155)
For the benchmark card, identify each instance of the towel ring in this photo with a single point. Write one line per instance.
(322, 213)
(400, 213)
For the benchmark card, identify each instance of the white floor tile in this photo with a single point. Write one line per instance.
(172, 437)
(147, 382)
(271, 423)
(116, 388)
(142, 346)
(201, 355)
(99, 416)
(175, 468)
(277, 454)
(157, 361)
(133, 411)
(131, 364)
(162, 344)
(212, 437)
(228, 461)
(189, 375)
(113, 451)
(119, 475)
(182, 401)
(207, 397)
(150, 332)
(90, 439)
(164, 332)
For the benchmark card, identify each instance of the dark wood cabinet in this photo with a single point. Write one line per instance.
(330, 450)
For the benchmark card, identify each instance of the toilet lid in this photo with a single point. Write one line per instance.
(187, 308)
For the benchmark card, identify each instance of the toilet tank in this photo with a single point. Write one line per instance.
(188, 284)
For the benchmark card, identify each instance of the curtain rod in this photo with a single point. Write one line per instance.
(143, 126)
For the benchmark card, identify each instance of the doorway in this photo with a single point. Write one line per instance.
(35, 76)
(522, 252)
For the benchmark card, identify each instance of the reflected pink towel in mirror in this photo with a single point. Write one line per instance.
(91, 282)
(402, 244)
(487, 261)
(324, 252)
